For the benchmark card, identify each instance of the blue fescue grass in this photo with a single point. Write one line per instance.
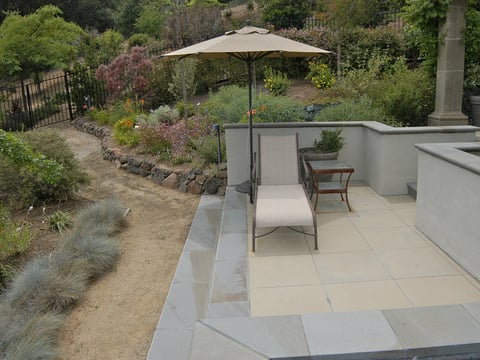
(33, 308)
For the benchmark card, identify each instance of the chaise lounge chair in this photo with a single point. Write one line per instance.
(280, 198)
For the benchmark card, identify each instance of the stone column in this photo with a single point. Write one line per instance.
(450, 65)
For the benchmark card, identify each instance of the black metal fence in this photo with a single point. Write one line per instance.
(54, 99)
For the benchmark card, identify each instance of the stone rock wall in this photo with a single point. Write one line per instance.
(193, 181)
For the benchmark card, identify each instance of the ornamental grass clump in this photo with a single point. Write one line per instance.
(32, 309)
(95, 254)
(26, 336)
(107, 218)
(41, 287)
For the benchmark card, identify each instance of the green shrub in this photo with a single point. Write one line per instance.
(14, 237)
(160, 77)
(361, 44)
(227, 105)
(138, 40)
(331, 141)
(163, 114)
(320, 75)
(207, 148)
(50, 144)
(362, 109)
(101, 116)
(124, 132)
(230, 105)
(38, 168)
(47, 109)
(276, 82)
(181, 108)
(269, 108)
(6, 273)
(407, 95)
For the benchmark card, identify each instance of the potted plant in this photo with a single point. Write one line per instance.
(325, 148)
(472, 92)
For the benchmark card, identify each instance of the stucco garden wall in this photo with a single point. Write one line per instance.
(448, 200)
(385, 158)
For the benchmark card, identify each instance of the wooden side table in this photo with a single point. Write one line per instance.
(316, 168)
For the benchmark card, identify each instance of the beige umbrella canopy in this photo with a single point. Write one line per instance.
(248, 44)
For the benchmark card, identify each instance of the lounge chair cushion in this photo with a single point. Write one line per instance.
(282, 205)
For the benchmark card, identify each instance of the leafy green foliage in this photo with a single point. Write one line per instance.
(49, 143)
(101, 116)
(227, 105)
(207, 148)
(230, 105)
(36, 42)
(163, 114)
(406, 95)
(40, 167)
(275, 109)
(124, 131)
(362, 109)
(286, 13)
(151, 19)
(160, 77)
(59, 221)
(320, 75)
(424, 18)
(331, 141)
(472, 49)
(14, 239)
(276, 82)
(360, 45)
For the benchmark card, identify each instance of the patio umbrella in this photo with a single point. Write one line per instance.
(248, 44)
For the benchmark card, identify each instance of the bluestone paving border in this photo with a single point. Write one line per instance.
(207, 316)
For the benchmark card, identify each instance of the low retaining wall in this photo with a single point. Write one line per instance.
(448, 200)
(383, 157)
(190, 180)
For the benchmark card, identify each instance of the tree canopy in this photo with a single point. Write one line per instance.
(36, 42)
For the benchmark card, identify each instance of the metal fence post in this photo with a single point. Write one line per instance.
(67, 92)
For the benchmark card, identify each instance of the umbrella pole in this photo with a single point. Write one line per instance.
(250, 125)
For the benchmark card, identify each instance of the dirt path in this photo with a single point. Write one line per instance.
(118, 315)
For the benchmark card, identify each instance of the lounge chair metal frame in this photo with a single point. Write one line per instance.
(279, 191)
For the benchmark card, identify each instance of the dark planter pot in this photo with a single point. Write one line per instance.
(475, 104)
(309, 154)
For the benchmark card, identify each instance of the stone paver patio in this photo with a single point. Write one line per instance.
(376, 288)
